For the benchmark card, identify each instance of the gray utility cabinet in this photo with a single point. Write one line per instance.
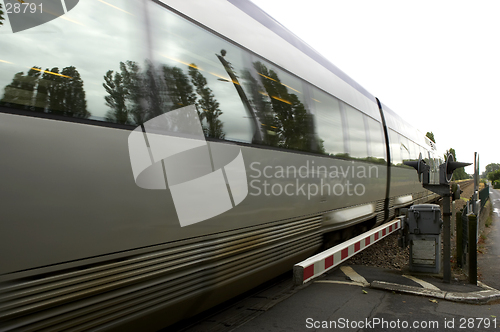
(424, 235)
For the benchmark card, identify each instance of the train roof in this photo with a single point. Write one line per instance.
(265, 19)
(244, 23)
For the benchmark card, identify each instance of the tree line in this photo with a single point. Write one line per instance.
(135, 94)
(492, 173)
(52, 91)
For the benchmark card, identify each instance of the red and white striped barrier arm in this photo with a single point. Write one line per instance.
(326, 260)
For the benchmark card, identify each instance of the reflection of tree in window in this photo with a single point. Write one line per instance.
(286, 121)
(260, 103)
(134, 96)
(74, 102)
(207, 104)
(22, 89)
(131, 73)
(180, 90)
(155, 91)
(53, 92)
(116, 99)
(1, 15)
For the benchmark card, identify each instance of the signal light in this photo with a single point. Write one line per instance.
(422, 169)
(446, 170)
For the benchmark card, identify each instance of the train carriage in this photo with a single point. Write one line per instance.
(161, 157)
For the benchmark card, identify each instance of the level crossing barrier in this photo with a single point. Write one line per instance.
(328, 259)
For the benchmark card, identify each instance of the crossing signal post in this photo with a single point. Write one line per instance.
(443, 189)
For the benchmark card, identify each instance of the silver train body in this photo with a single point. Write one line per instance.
(84, 247)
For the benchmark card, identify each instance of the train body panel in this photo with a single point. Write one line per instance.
(83, 201)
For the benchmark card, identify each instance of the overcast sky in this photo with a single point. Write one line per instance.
(435, 63)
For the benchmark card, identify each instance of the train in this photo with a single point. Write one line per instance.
(159, 157)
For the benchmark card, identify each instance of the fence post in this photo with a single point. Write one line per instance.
(472, 249)
(459, 244)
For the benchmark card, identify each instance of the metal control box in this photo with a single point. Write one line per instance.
(424, 234)
(424, 219)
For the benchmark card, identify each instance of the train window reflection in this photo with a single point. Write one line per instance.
(414, 151)
(395, 148)
(357, 132)
(328, 121)
(280, 107)
(377, 144)
(405, 148)
(64, 74)
(196, 67)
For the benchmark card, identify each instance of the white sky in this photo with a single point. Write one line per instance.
(435, 63)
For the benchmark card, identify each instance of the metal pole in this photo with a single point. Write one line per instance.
(446, 235)
(460, 234)
(474, 197)
(472, 249)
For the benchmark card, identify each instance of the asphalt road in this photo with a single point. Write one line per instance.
(322, 305)
(489, 261)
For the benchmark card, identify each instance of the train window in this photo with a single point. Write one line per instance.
(357, 133)
(193, 67)
(405, 148)
(279, 101)
(59, 67)
(395, 148)
(390, 120)
(414, 151)
(424, 153)
(328, 121)
(377, 144)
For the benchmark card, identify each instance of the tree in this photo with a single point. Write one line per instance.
(494, 176)
(154, 92)
(118, 93)
(21, 91)
(75, 104)
(289, 117)
(262, 106)
(430, 135)
(133, 85)
(55, 91)
(207, 103)
(180, 90)
(1, 15)
(491, 168)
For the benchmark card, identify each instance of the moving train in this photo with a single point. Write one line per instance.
(159, 157)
